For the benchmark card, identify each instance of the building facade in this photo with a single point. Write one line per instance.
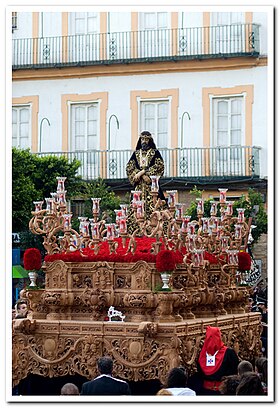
(85, 84)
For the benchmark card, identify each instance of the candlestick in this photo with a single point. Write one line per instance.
(60, 184)
(240, 216)
(200, 206)
(155, 185)
(213, 209)
(67, 221)
(38, 205)
(171, 197)
(222, 195)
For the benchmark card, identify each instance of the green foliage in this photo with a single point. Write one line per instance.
(108, 203)
(34, 178)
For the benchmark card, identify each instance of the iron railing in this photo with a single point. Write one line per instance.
(193, 163)
(131, 46)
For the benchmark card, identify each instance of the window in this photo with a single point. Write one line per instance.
(228, 121)
(154, 38)
(228, 33)
(85, 23)
(14, 21)
(21, 130)
(83, 42)
(228, 132)
(154, 118)
(84, 125)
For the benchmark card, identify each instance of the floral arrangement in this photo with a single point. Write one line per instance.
(165, 261)
(244, 261)
(32, 259)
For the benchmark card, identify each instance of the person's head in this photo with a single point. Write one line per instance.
(229, 384)
(177, 377)
(21, 308)
(163, 391)
(261, 368)
(145, 141)
(244, 367)
(213, 340)
(69, 389)
(250, 384)
(105, 365)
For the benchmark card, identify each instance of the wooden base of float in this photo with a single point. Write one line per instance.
(67, 331)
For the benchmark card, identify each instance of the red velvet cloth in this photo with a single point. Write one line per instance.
(212, 343)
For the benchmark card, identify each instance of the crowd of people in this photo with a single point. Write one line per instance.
(245, 379)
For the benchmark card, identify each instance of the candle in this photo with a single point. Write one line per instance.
(94, 229)
(229, 209)
(135, 197)
(232, 256)
(200, 206)
(124, 209)
(240, 216)
(110, 231)
(191, 228)
(60, 183)
(184, 226)
(238, 231)
(38, 205)
(123, 226)
(140, 209)
(223, 195)
(95, 204)
(191, 243)
(82, 221)
(205, 225)
(119, 214)
(155, 185)
(67, 221)
(61, 198)
(85, 229)
(179, 211)
(49, 204)
(171, 197)
(213, 209)
(224, 242)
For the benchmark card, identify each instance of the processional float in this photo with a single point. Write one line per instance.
(144, 298)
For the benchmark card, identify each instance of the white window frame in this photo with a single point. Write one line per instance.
(83, 103)
(226, 97)
(24, 106)
(156, 100)
(225, 159)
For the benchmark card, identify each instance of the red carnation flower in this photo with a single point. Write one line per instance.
(32, 259)
(165, 261)
(244, 261)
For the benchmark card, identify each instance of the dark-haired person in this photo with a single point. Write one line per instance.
(229, 384)
(250, 384)
(176, 382)
(146, 161)
(105, 383)
(244, 367)
(261, 370)
(215, 361)
(21, 309)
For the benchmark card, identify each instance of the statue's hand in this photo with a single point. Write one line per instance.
(138, 175)
(147, 179)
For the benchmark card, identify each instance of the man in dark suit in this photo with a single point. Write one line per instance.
(105, 383)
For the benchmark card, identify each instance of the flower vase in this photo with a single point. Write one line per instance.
(165, 276)
(33, 276)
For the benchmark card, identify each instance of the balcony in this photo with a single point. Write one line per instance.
(137, 46)
(188, 164)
